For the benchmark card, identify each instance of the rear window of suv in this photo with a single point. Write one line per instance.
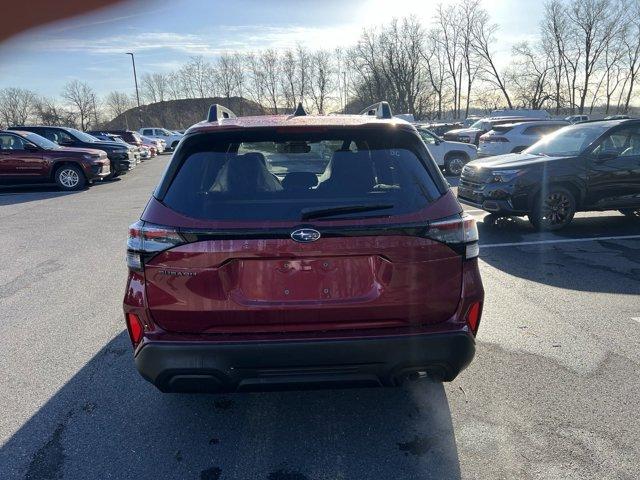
(283, 175)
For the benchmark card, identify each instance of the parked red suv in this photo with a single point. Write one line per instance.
(27, 157)
(301, 251)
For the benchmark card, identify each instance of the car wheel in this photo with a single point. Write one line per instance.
(454, 165)
(70, 177)
(631, 212)
(553, 210)
(174, 145)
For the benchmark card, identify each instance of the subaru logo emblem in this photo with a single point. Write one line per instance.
(305, 235)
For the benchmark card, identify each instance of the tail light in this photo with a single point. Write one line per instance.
(459, 231)
(146, 240)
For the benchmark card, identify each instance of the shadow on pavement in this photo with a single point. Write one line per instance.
(610, 266)
(107, 422)
(29, 193)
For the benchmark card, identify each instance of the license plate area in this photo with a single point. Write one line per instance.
(305, 280)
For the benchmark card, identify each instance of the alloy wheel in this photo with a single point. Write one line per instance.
(455, 166)
(69, 178)
(557, 209)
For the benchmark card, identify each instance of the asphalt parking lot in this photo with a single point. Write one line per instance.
(553, 391)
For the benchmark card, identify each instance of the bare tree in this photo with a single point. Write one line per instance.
(401, 46)
(483, 37)
(448, 24)
(270, 66)
(529, 76)
(468, 13)
(81, 98)
(155, 87)
(554, 31)
(117, 103)
(322, 79)
(289, 80)
(229, 75)
(47, 111)
(16, 105)
(433, 56)
(303, 63)
(596, 22)
(631, 42)
(197, 78)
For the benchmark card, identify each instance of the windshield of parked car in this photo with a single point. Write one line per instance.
(570, 140)
(41, 141)
(82, 136)
(481, 125)
(280, 176)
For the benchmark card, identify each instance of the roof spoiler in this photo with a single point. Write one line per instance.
(218, 112)
(379, 110)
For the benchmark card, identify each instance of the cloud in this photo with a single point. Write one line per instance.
(227, 38)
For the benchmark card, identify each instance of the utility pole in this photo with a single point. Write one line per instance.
(135, 79)
(344, 87)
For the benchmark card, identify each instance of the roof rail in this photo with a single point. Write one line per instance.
(218, 112)
(379, 110)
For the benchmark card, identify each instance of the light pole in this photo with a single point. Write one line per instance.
(135, 79)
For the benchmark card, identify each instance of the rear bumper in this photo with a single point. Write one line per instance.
(379, 361)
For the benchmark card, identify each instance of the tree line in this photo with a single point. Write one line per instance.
(585, 59)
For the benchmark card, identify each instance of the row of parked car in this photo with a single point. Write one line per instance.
(586, 166)
(74, 159)
(545, 169)
(510, 132)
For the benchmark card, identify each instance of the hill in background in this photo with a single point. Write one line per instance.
(180, 114)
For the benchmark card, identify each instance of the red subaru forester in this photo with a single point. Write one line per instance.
(301, 251)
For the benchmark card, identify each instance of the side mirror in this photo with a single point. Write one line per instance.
(30, 147)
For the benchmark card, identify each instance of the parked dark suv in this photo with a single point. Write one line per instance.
(244, 277)
(121, 157)
(29, 158)
(587, 166)
(129, 136)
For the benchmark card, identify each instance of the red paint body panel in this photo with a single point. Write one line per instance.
(227, 286)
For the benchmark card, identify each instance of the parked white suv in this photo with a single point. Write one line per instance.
(515, 137)
(451, 156)
(171, 138)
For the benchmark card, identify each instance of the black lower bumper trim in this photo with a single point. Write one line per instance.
(386, 361)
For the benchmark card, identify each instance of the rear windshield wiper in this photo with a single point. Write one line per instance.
(309, 213)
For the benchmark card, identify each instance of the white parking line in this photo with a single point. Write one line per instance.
(559, 240)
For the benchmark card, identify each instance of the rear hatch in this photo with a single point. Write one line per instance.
(246, 234)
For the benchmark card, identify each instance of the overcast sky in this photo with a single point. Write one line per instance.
(164, 34)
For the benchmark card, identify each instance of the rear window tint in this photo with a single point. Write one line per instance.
(270, 175)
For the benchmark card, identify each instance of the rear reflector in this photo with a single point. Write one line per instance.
(473, 317)
(135, 328)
